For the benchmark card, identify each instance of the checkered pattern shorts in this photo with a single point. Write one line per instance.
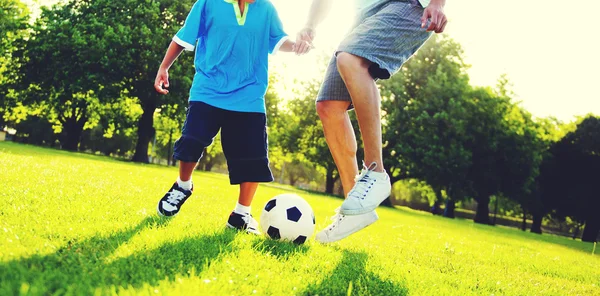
(387, 35)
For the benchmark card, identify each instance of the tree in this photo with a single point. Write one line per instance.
(424, 120)
(14, 16)
(81, 63)
(506, 149)
(137, 35)
(569, 183)
(304, 133)
(57, 72)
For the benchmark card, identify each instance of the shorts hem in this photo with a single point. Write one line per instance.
(251, 180)
(184, 159)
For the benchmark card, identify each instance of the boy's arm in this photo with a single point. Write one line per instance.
(161, 83)
(290, 46)
(287, 46)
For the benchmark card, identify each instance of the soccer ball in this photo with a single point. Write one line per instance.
(288, 217)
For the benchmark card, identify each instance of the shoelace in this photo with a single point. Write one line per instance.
(250, 222)
(337, 218)
(175, 196)
(363, 181)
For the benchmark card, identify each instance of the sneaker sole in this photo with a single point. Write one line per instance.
(353, 231)
(247, 231)
(361, 210)
(161, 214)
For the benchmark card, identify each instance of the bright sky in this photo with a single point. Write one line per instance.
(549, 48)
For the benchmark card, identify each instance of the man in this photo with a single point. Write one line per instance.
(386, 35)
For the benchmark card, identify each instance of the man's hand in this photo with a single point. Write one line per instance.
(161, 83)
(304, 40)
(435, 13)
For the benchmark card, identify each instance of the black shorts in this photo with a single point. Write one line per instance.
(243, 138)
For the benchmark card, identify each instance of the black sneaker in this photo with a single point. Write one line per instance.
(171, 203)
(243, 223)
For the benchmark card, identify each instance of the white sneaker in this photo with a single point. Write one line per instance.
(371, 189)
(344, 226)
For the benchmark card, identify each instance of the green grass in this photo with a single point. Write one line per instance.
(80, 224)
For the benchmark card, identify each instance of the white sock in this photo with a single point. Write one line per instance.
(242, 209)
(187, 185)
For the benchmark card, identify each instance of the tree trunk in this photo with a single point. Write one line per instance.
(449, 210)
(591, 230)
(170, 145)
(388, 202)
(145, 133)
(524, 223)
(436, 208)
(292, 179)
(577, 228)
(482, 215)
(73, 129)
(330, 180)
(495, 210)
(536, 226)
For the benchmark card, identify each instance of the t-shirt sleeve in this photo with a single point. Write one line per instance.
(277, 35)
(192, 28)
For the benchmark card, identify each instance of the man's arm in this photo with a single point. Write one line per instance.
(435, 13)
(319, 10)
(162, 77)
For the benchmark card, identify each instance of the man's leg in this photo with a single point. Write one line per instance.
(367, 103)
(340, 138)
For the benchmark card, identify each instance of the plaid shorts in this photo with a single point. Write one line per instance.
(387, 35)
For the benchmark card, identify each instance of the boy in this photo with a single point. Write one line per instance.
(232, 39)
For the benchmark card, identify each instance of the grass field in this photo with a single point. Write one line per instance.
(80, 224)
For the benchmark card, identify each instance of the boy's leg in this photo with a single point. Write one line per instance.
(247, 191)
(186, 169)
(201, 125)
(244, 140)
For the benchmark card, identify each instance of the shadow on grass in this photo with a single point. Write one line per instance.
(279, 249)
(350, 277)
(82, 267)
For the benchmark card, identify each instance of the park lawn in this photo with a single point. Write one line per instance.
(73, 223)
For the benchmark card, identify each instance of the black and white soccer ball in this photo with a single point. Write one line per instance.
(288, 217)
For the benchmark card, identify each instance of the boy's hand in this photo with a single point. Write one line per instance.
(302, 47)
(304, 40)
(161, 83)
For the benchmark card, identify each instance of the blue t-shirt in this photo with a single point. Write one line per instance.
(232, 52)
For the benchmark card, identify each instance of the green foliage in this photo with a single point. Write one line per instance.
(87, 225)
(568, 181)
(471, 142)
(304, 137)
(85, 54)
(425, 118)
(14, 16)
